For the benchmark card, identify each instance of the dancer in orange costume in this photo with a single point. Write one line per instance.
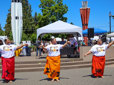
(52, 67)
(98, 61)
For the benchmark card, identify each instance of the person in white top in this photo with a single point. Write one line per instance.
(98, 61)
(8, 62)
(72, 40)
(52, 67)
(74, 43)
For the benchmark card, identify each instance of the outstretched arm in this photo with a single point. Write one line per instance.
(21, 46)
(89, 52)
(68, 42)
(44, 48)
(110, 44)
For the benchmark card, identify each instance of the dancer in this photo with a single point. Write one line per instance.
(8, 60)
(98, 61)
(52, 67)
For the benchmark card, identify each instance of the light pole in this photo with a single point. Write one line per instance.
(110, 23)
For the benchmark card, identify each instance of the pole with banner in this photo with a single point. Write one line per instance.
(16, 20)
(84, 12)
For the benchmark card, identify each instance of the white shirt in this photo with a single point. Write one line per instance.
(54, 50)
(72, 40)
(7, 51)
(99, 50)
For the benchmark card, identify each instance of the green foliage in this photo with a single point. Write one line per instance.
(53, 10)
(7, 27)
(47, 37)
(24, 37)
(33, 38)
(28, 21)
(1, 31)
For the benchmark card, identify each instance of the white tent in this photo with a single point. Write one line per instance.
(59, 27)
(3, 38)
(111, 35)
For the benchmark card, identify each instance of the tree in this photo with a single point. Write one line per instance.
(28, 21)
(7, 27)
(1, 31)
(52, 10)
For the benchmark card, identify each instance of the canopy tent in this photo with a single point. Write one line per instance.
(111, 35)
(96, 31)
(59, 27)
(3, 38)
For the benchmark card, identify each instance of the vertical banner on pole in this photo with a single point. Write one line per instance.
(16, 20)
(84, 12)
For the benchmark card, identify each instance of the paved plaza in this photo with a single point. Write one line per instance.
(80, 76)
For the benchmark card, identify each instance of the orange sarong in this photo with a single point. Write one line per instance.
(52, 67)
(98, 64)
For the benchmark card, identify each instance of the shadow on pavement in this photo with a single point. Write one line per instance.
(64, 78)
(17, 79)
(94, 76)
(21, 79)
(48, 79)
(89, 76)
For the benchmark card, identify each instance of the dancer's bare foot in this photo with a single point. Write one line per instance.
(102, 76)
(52, 80)
(10, 81)
(57, 79)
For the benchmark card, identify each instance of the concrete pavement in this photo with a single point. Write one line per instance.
(68, 77)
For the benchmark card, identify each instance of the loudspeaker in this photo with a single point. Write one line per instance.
(90, 32)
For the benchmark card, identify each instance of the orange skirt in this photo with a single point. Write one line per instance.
(52, 67)
(98, 65)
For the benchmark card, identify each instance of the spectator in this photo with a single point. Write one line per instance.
(62, 42)
(38, 47)
(89, 42)
(82, 43)
(72, 40)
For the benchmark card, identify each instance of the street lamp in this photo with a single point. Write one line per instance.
(110, 21)
(110, 15)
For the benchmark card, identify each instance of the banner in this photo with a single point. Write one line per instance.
(85, 17)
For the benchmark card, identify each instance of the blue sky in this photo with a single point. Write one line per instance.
(99, 12)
